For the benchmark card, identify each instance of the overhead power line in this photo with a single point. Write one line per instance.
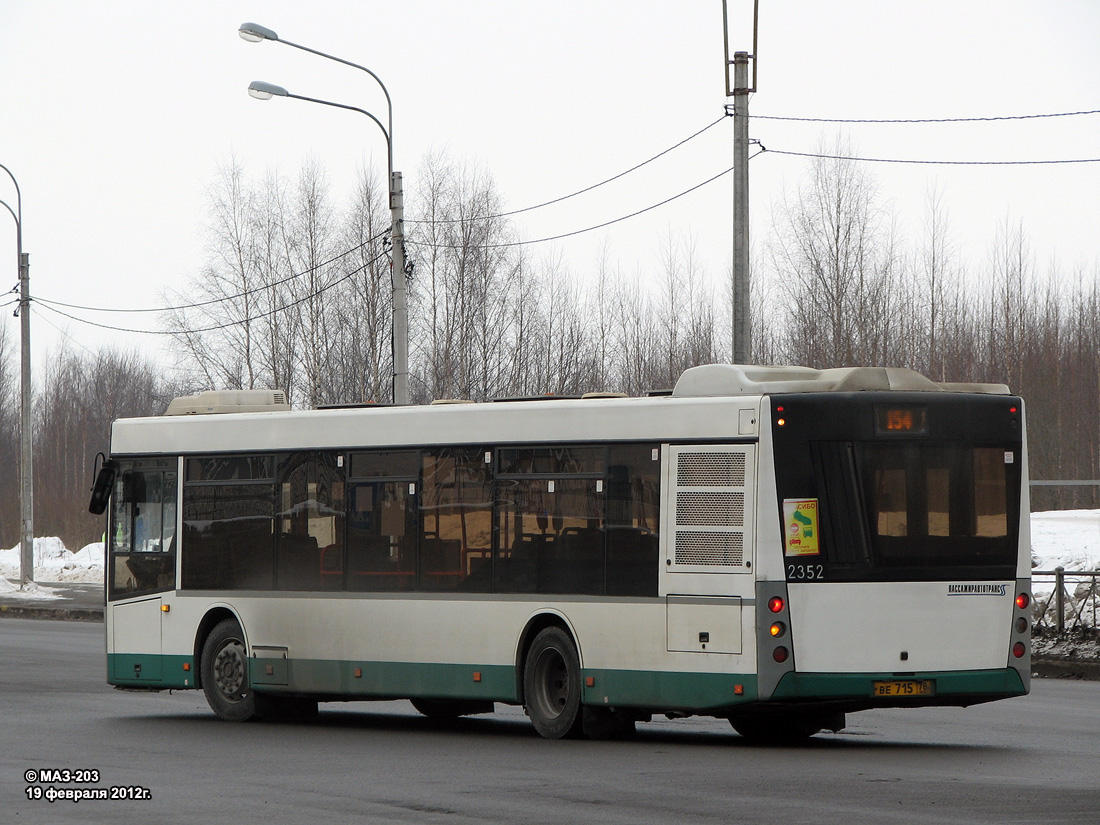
(932, 162)
(579, 191)
(215, 327)
(52, 304)
(580, 231)
(924, 120)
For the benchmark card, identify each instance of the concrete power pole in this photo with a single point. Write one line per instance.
(741, 316)
(26, 439)
(400, 299)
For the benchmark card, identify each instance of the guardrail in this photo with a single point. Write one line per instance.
(1073, 602)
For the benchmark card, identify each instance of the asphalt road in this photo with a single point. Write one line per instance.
(1030, 760)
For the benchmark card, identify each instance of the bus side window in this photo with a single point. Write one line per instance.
(633, 511)
(142, 532)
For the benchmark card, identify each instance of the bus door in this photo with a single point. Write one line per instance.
(141, 564)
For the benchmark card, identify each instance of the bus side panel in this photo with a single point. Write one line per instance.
(371, 646)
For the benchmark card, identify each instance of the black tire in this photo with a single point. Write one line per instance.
(225, 673)
(446, 709)
(552, 685)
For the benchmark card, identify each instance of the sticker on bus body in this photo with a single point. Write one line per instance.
(800, 534)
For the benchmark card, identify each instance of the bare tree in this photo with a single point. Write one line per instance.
(9, 442)
(835, 255)
(80, 396)
(467, 276)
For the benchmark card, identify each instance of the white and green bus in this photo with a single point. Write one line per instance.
(778, 546)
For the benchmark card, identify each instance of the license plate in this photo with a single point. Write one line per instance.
(905, 687)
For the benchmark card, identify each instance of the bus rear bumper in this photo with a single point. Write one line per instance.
(862, 691)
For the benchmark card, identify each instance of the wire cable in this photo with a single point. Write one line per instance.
(51, 304)
(586, 229)
(226, 325)
(579, 191)
(924, 120)
(933, 162)
(41, 317)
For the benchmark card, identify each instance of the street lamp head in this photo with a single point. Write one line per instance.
(254, 33)
(265, 91)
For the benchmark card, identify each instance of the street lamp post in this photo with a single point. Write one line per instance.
(26, 440)
(254, 33)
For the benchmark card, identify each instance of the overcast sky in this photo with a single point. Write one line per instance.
(115, 117)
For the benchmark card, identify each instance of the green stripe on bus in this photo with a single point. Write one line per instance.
(151, 670)
(396, 679)
(498, 683)
(1006, 682)
(668, 690)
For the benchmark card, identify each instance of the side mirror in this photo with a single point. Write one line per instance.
(101, 490)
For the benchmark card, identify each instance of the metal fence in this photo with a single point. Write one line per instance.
(1065, 599)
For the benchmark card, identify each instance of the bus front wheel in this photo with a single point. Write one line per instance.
(225, 673)
(552, 685)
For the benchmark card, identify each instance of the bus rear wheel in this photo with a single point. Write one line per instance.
(225, 673)
(552, 685)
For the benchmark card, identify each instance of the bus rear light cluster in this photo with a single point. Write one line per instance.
(1021, 624)
(775, 632)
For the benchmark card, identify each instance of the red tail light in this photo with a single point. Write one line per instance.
(776, 604)
(780, 654)
(1018, 650)
(1023, 600)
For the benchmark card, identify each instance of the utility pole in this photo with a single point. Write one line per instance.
(26, 439)
(741, 322)
(741, 316)
(400, 301)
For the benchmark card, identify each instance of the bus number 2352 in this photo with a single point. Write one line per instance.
(805, 572)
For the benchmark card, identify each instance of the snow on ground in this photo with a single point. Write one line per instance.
(53, 562)
(1066, 538)
(1060, 538)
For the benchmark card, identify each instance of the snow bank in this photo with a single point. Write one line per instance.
(53, 562)
(1066, 538)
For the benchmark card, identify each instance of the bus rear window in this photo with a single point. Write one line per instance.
(946, 504)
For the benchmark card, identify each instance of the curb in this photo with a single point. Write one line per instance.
(66, 614)
(1083, 669)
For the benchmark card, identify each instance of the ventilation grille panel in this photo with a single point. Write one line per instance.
(710, 549)
(696, 509)
(711, 507)
(711, 469)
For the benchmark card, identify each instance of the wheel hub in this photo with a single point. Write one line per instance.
(229, 673)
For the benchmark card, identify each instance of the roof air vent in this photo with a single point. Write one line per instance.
(228, 401)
